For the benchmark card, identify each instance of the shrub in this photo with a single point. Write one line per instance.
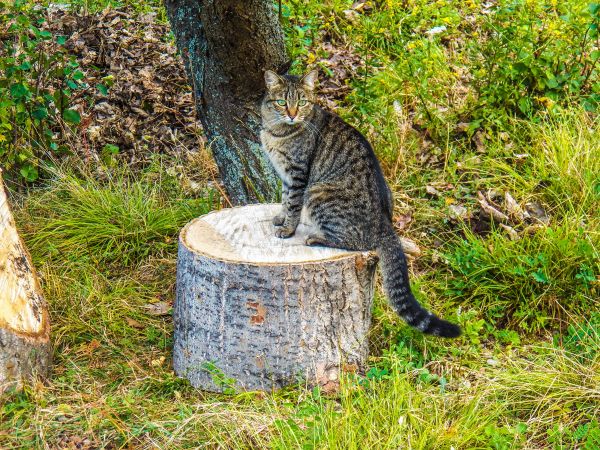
(552, 272)
(528, 282)
(534, 55)
(38, 80)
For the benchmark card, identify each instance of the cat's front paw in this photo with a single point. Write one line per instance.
(284, 232)
(279, 219)
(314, 239)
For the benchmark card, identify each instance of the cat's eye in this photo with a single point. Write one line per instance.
(302, 102)
(281, 102)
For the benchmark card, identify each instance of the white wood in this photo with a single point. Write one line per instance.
(24, 325)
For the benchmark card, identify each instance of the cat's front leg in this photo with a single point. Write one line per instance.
(292, 206)
(280, 217)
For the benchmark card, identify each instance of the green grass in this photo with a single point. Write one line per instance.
(113, 383)
(549, 272)
(119, 219)
(525, 373)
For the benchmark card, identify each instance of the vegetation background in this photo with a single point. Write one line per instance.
(485, 118)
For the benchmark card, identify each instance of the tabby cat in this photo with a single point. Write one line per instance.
(328, 168)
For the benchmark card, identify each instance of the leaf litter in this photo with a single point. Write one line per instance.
(138, 99)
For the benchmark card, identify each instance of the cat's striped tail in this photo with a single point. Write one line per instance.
(395, 282)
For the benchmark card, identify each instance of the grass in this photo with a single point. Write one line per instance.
(525, 372)
(119, 219)
(113, 384)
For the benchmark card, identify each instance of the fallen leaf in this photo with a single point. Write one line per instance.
(512, 233)
(532, 229)
(158, 309)
(494, 213)
(331, 387)
(351, 15)
(513, 208)
(432, 191)
(402, 221)
(134, 323)
(458, 212)
(90, 347)
(536, 211)
(158, 361)
(410, 247)
(479, 140)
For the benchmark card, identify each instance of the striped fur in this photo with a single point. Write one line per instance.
(329, 170)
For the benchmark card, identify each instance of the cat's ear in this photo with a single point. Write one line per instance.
(310, 79)
(272, 80)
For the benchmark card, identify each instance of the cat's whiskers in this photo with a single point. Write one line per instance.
(312, 128)
(271, 123)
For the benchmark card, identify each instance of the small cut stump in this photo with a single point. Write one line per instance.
(25, 348)
(256, 312)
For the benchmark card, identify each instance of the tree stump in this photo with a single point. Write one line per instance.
(259, 312)
(25, 348)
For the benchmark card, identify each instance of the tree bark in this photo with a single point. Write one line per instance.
(226, 46)
(25, 348)
(257, 312)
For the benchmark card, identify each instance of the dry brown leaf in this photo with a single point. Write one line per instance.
(160, 308)
(432, 191)
(512, 233)
(536, 211)
(410, 247)
(147, 86)
(514, 209)
(402, 221)
(490, 210)
(158, 361)
(134, 323)
(458, 212)
(479, 140)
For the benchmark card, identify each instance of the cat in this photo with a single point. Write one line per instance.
(329, 169)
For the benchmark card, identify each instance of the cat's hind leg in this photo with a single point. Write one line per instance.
(332, 224)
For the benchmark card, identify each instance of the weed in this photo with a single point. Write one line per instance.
(524, 66)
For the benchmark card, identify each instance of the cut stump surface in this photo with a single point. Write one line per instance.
(253, 311)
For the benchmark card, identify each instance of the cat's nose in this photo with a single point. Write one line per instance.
(292, 112)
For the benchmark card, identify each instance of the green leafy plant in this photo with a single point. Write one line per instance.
(37, 90)
(583, 338)
(524, 283)
(222, 381)
(534, 56)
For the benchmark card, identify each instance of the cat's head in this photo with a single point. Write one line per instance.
(289, 99)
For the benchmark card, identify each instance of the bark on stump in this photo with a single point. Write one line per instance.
(25, 348)
(261, 312)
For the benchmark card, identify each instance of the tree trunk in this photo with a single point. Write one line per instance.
(24, 326)
(258, 312)
(226, 46)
